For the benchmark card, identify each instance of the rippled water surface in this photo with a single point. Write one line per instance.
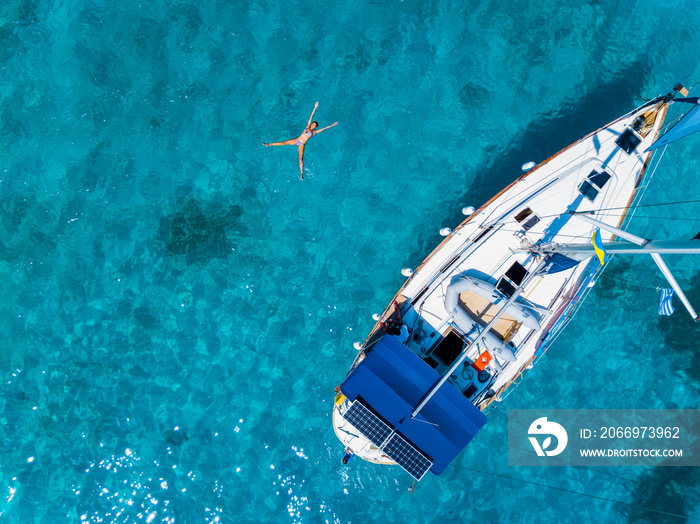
(178, 307)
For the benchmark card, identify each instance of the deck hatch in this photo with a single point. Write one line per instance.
(598, 179)
(509, 282)
(628, 140)
(527, 219)
(527, 226)
(594, 182)
(516, 273)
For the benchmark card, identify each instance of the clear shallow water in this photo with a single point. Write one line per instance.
(161, 270)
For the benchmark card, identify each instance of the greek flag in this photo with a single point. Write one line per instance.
(666, 305)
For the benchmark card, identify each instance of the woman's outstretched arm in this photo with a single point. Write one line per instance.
(312, 115)
(317, 131)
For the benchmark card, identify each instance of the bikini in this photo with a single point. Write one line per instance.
(309, 135)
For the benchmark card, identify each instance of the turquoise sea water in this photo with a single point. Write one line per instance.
(178, 307)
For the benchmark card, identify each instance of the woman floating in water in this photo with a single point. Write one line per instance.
(300, 141)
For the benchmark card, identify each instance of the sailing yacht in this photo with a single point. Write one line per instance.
(488, 301)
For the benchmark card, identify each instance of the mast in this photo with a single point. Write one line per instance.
(665, 247)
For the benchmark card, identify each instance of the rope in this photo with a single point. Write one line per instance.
(574, 492)
(655, 288)
(638, 198)
(565, 462)
(617, 308)
(650, 205)
(660, 218)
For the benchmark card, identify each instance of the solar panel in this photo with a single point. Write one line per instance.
(407, 456)
(367, 423)
(392, 444)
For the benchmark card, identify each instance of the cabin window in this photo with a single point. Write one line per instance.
(512, 278)
(628, 140)
(523, 214)
(480, 235)
(527, 219)
(593, 184)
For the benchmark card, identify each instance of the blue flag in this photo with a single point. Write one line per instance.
(666, 305)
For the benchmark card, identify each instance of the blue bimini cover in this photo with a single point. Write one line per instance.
(392, 380)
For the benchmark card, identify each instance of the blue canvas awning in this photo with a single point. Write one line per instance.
(558, 262)
(392, 380)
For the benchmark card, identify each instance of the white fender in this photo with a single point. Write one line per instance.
(518, 311)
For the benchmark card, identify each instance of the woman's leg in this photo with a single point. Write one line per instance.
(301, 161)
(290, 142)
